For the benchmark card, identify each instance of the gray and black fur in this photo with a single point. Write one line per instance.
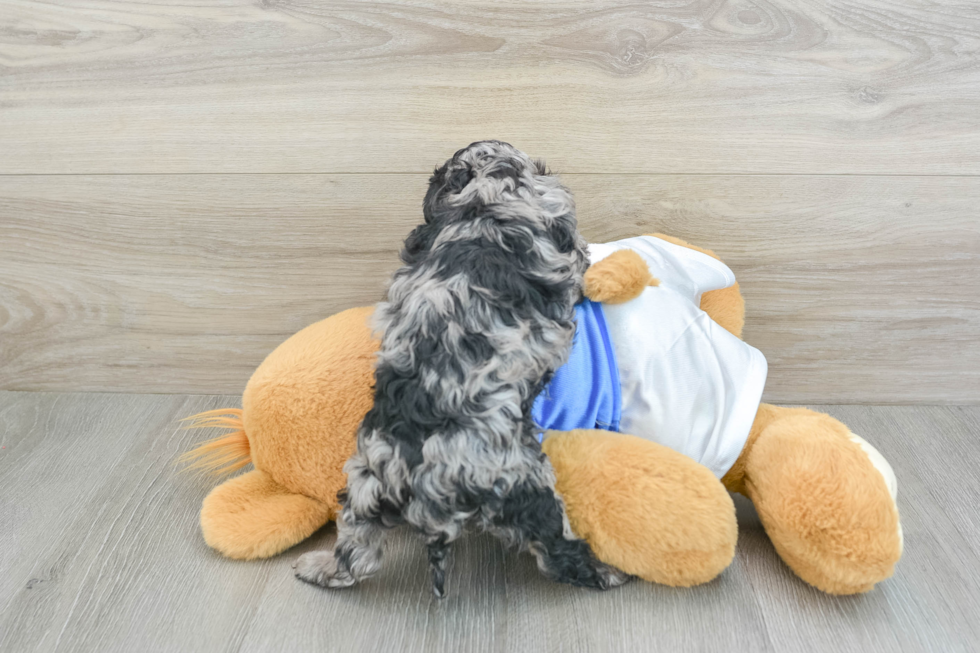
(476, 322)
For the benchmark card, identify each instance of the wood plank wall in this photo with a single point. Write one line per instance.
(182, 185)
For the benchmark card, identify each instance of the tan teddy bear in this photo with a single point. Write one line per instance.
(656, 505)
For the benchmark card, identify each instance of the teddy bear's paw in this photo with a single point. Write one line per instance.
(618, 278)
(320, 568)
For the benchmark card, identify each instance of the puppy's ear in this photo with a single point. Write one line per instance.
(444, 181)
(436, 183)
(563, 234)
(418, 242)
(458, 179)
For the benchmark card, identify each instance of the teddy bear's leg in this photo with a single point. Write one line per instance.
(644, 508)
(251, 516)
(825, 497)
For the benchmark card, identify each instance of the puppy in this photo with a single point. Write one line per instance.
(475, 323)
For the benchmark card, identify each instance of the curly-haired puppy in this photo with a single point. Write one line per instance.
(475, 323)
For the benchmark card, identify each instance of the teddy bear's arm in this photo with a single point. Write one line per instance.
(618, 278)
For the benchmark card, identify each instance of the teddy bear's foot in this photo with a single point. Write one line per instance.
(644, 508)
(825, 504)
(251, 516)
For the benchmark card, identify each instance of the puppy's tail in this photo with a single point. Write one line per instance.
(221, 455)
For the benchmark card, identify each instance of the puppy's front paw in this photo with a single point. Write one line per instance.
(320, 568)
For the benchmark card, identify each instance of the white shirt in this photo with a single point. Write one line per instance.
(686, 382)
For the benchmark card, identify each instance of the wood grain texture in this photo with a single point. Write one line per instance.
(714, 86)
(939, 546)
(858, 289)
(99, 529)
(100, 550)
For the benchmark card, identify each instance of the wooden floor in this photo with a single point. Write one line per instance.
(100, 551)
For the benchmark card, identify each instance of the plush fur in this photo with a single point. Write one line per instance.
(252, 516)
(475, 323)
(328, 371)
(825, 506)
(622, 276)
(682, 533)
(839, 532)
(318, 384)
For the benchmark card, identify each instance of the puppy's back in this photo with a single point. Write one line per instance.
(483, 310)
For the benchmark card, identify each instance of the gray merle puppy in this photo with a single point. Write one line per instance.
(476, 322)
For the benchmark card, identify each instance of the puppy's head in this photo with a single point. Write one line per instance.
(492, 179)
(486, 172)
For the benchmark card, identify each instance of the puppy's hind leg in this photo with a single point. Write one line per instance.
(438, 549)
(534, 515)
(356, 556)
(434, 518)
(360, 534)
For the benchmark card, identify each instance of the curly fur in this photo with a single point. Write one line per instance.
(474, 325)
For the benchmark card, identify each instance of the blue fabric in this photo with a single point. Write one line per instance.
(585, 391)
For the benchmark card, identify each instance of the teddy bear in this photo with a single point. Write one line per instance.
(644, 459)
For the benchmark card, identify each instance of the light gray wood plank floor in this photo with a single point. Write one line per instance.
(100, 550)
